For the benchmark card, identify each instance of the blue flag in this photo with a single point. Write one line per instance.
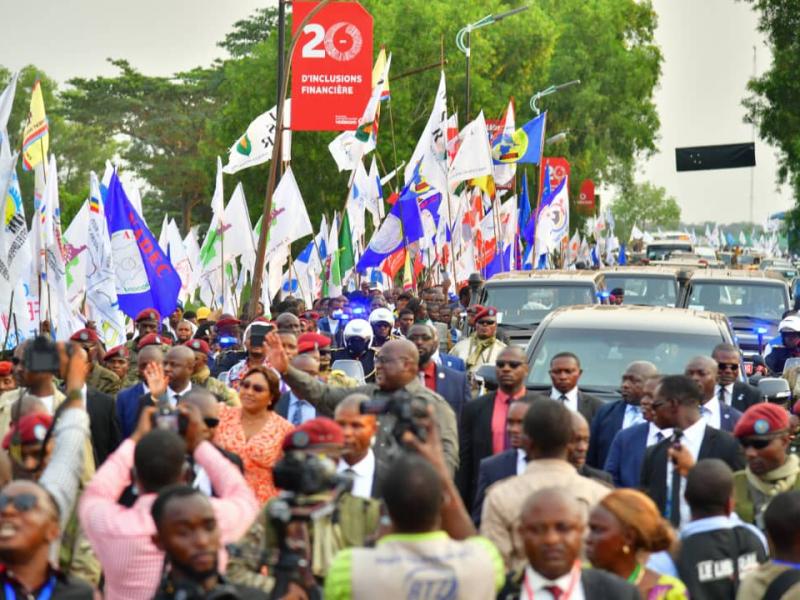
(623, 257)
(529, 231)
(530, 140)
(144, 276)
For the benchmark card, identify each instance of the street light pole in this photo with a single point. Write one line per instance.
(463, 43)
(551, 90)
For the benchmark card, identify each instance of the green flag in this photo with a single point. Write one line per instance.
(346, 257)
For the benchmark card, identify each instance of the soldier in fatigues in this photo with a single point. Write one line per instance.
(116, 361)
(202, 374)
(482, 347)
(99, 377)
(147, 322)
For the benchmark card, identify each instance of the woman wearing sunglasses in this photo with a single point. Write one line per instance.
(623, 529)
(254, 430)
(764, 433)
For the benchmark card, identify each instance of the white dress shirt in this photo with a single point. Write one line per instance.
(536, 583)
(172, 395)
(652, 434)
(711, 413)
(728, 393)
(522, 461)
(572, 398)
(363, 473)
(692, 439)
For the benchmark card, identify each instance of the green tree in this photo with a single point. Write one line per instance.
(646, 206)
(772, 104)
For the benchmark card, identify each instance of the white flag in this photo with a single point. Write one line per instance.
(375, 194)
(102, 305)
(290, 220)
(238, 237)
(474, 157)
(255, 146)
(162, 236)
(504, 172)
(192, 249)
(76, 257)
(180, 260)
(431, 150)
(6, 102)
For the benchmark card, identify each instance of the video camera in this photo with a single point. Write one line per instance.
(305, 474)
(406, 410)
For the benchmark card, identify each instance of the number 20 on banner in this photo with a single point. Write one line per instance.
(331, 67)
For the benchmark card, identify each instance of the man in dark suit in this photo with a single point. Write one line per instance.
(677, 405)
(729, 389)
(621, 414)
(506, 464)
(703, 370)
(578, 448)
(357, 458)
(552, 528)
(452, 362)
(483, 421)
(128, 400)
(171, 382)
(297, 410)
(452, 385)
(565, 372)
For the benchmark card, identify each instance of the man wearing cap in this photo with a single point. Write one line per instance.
(116, 361)
(100, 378)
(147, 321)
(482, 347)
(357, 338)
(202, 374)
(319, 346)
(203, 314)
(381, 320)
(354, 522)
(764, 433)
(184, 331)
(227, 341)
(777, 355)
(7, 382)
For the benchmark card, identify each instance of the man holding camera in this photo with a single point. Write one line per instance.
(256, 353)
(353, 522)
(396, 372)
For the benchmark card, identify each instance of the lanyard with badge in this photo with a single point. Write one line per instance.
(573, 581)
(45, 594)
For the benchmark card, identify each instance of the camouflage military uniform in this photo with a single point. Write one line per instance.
(354, 523)
(216, 387)
(104, 380)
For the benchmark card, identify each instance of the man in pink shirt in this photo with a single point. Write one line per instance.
(122, 537)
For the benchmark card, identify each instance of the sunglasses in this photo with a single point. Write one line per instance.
(211, 422)
(756, 443)
(514, 364)
(486, 322)
(20, 502)
(727, 367)
(256, 387)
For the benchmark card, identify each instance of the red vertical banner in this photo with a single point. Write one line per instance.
(331, 66)
(585, 202)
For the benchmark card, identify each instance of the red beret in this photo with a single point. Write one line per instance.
(486, 311)
(309, 341)
(762, 419)
(474, 308)
(198, 346)
(120, 351)
(85, 335)
(316, 432)
(227, 321)
(31, 428)
(5, 368)
(148, 314)
(152, 339)
(312, 315)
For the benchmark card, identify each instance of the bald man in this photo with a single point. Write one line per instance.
(703, 370)
(621, 414)
(577, 450)
(358, 459)
(482, 432)
(167, 384)
(396, 369)
(552, 526)
(128, 399)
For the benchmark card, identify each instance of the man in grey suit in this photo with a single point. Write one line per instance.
(553, 526)
(565, 373)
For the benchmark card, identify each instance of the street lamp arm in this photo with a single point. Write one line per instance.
(462, 37)
(550, 90)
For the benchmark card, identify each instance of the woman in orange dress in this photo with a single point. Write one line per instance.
(254, 430)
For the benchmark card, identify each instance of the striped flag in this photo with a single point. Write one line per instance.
(36, 136)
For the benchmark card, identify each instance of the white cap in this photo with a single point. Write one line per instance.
(358, 328)
(381, 315)
(790, 323)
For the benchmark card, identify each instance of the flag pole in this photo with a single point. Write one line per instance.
(10, 316)
(255, 291)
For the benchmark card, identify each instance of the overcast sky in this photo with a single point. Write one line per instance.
(708, 58)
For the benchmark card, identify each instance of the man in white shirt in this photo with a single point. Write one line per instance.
(716, 414)
(358, 459)
(172, 381)
(552, 525)
(565, 372)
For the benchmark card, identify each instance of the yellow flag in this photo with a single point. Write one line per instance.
(377, 73)
(408, 272)
(36, 137)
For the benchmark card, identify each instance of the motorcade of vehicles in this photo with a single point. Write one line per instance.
(524, 298)
(662, 249)
(607, 339)
(783, 267)
(754, 302)
(646, 285)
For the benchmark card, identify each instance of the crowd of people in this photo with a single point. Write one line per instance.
(350, 449)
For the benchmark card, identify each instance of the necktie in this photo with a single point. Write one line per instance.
(556, 591)
(563, 400)
(675, 495)
(659, 437)
(297, 416)
(721, 395)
